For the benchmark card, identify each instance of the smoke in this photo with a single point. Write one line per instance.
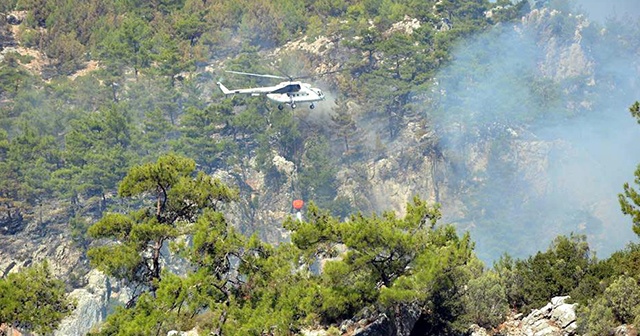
(320, 116)
(546, 103)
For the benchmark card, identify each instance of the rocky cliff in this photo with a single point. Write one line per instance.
(524, 131)
(93, 302)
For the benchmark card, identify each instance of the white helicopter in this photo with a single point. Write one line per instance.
(286, 93)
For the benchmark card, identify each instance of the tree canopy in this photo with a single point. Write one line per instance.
(33, 300)
(136, 239)
(630, 198)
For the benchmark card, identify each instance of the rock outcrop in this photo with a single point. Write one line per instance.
(626, 330)
(557, 318)
(192, 332)
(390, 323)
(44, 237)
(92, 302)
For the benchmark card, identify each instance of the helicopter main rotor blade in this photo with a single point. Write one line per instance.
(322, 74)
(286, 75)
(255, 75)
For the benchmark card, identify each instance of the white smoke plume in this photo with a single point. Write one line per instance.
(558, 163)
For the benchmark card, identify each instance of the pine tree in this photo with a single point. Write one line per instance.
(136, 239)
(630, 199)
(33, 300)
(345, 127)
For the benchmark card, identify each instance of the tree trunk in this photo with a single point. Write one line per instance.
(156, 264)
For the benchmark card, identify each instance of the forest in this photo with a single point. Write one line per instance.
(109, 114)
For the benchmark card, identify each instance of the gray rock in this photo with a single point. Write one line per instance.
(192, 332)
(346, 325)
(543, 327)
(548, 330)
(559, 300)
(477, 330)
(557, 318)
(399, 322)
(382, 326)
(11, 223)
(405, 319)
(546, 310)
(91, 306)
(625, 330)
(564, 314)
(284, 166)
(305, 332)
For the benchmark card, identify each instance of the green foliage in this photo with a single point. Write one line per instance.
(618, 305)
(345, 128)
(68, 53)
(7, 5)
(625, 261)
(98, 151)
(163, 40)
(13, 77)
(201, 129)
(30, 159)
(387, 261)
(630, 199)
(597, 319)
(438, 280)
(275, 298)
(275, 289)
(137, 238)
(33, 300)
(317, 176)
(555, 272)
(623, 296)
(128, 46)
(262, 23)
(620, 301)
(210, 288)
(485, 300)
(286, 134)
(173, 306)
(635, 111)
(511, 280)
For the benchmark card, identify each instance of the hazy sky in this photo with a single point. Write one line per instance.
(600, 10)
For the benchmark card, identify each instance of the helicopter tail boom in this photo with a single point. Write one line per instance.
(223, 88)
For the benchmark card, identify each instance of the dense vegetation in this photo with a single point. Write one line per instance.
(144, 99)
(33, 300)
(331, 270)
(240, 286)
(81, 140)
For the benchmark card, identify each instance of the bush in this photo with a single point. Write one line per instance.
(620, 304)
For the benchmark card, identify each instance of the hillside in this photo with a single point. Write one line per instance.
(513, 117)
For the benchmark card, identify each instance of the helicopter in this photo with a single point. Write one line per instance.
(286, 93)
